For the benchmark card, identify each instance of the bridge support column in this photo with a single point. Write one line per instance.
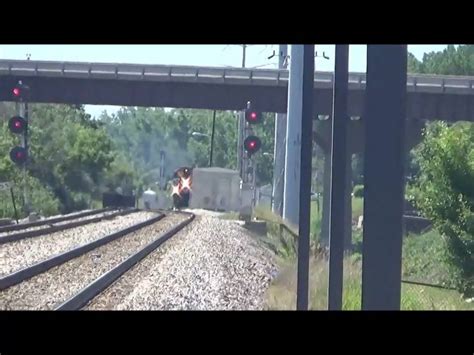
(291, 190)
(279, 150)
(384, 176)
(297, 198)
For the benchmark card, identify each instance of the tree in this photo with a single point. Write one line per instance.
(451, 61)
(69, 153)
(444, 192)
(443, 187)
(140, 134)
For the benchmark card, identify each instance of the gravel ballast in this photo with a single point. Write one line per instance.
(212, 264)
(49, 289)
(46, 226)
(26, 252)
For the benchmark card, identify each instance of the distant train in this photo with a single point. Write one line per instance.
(181, 187)
(214, 188)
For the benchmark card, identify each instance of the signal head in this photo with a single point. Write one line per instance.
(18, 155)
(252, 144)
(17, 124)
(253, 117)
(20, 92)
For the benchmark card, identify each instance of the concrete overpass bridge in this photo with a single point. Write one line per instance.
(430, 97)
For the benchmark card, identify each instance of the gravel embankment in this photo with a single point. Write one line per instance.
(46, 226)
(50, 289)
(212, 264)
(26, 252)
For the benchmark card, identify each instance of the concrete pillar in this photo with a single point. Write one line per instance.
(279, 150)
(384, 168)
(293, 138)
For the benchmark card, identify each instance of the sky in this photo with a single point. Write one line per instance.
(195, 55)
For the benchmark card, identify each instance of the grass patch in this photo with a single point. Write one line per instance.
(423, 258)
(422, 261)
(357, 207)
(282, 293)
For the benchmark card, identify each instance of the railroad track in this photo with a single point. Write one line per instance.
(50, 227)
(47, 221)
(79, 299)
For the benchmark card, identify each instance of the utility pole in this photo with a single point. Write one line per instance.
(240, 126)
(298, 159)
(339, 173)
(279, 149)
(212, 138)
(293, 137)
(25, 174)
(384, 174)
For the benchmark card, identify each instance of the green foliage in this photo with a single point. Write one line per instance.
(423, 257)
(444, 192)
(441, 185)
(282, 296)
(315, 222)
(69, 154)
(359, 191)
(357, 206)
(451, 61)
(41, 198)
(75, 158)
(139, 134)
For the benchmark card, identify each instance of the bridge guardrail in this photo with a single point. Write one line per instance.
(238, 76)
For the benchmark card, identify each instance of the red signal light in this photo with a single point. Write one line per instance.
(18, 155)
(253, 117)
(252, 144)
(20, 92)
(17, 124)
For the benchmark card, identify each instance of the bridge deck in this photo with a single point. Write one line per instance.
(233, 76)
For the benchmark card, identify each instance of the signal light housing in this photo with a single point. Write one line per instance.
(252, 144)
(253, 117)
(18, 155)
(17, 125)
(20, 92)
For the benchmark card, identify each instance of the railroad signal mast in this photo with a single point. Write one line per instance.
(251, 145)
(18, 125)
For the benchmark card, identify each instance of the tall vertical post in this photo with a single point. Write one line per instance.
(14, 204)
(291, 189)
(212, 138)
(279, 150)
(297, 201)
(24, 113)
(384, 176)
(162, 169)
(240, 127)
(338, 177)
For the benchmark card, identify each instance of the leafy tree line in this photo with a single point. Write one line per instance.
(69, 158)
(74, 158)
(442, 186)
(440, 172)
